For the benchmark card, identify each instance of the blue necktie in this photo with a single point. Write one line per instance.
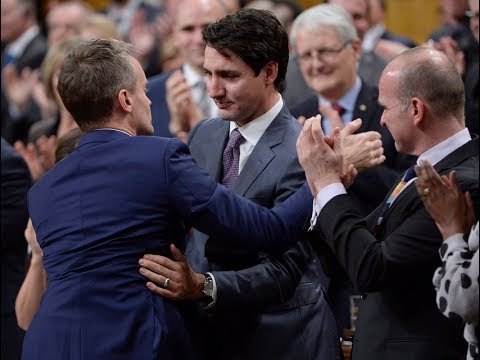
(7, 59)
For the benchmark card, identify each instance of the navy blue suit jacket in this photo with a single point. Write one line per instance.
(98, 211)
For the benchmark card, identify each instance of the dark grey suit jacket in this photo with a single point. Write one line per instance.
(398, 317)
(269, 305)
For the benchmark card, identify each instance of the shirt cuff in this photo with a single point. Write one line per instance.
(322, 198)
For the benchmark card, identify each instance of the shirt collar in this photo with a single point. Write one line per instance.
(114, 130)
(446, 147)
(253, 131)
(17, 47)
(191, 77)
(348, 100)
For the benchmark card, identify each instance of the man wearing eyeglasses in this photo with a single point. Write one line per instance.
(327, 47)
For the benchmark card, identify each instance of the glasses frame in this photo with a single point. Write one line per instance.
(323, 54)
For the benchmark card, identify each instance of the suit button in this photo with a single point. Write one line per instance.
(363, 296)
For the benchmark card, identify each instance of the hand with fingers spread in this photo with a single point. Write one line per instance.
(40, 157)
(172, 279)
(184, 112)
(363, 150)
(18, 87)
(443, 198)
(320, 156)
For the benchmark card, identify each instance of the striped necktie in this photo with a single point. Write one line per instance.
(409, 175)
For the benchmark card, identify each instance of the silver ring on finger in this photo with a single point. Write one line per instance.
(165, 284)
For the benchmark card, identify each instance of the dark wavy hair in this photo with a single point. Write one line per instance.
(256, 36)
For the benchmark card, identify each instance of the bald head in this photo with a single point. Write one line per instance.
(189, 20)
(429, 75)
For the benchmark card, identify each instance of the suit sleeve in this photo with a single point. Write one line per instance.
(218, 211)
(372, 264)
(276, 277)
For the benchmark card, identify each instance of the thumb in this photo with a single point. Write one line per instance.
(351, 127)
(177, 254)
(337, 141)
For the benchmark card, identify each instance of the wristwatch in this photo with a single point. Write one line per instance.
(207, 301)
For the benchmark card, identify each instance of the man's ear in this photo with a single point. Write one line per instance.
(271, 72)
(357, 48)
(417, 108)
(125, 101)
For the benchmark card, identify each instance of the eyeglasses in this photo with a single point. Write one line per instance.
(472, 14)
(323, 54)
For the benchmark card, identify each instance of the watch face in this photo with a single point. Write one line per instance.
(208, 286)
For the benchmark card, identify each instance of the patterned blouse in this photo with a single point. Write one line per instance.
(456, 283)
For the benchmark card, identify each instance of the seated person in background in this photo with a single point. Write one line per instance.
(456, 281)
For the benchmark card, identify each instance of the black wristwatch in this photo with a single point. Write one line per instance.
(207, 301)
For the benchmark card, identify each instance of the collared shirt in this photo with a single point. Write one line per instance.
(17, 48)
(433, 155)
(192, 79)
(253, 131)
(372, 36)
(347, 102)
(114, 130)
(122, 16)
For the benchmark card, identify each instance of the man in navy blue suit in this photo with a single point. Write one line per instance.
(179, 97)
(118, 195)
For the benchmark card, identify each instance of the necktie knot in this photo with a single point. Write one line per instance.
(338, 108)
(231, 158)
(409, 174)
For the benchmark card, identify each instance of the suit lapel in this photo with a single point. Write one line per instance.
(364, 107)
(262, 154)
(214, 146)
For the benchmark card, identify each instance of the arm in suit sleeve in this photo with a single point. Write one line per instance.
(276, 277)
(271, 282)
(373, 264)
(219, 212)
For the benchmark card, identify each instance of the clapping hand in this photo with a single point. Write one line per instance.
(443, 198)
